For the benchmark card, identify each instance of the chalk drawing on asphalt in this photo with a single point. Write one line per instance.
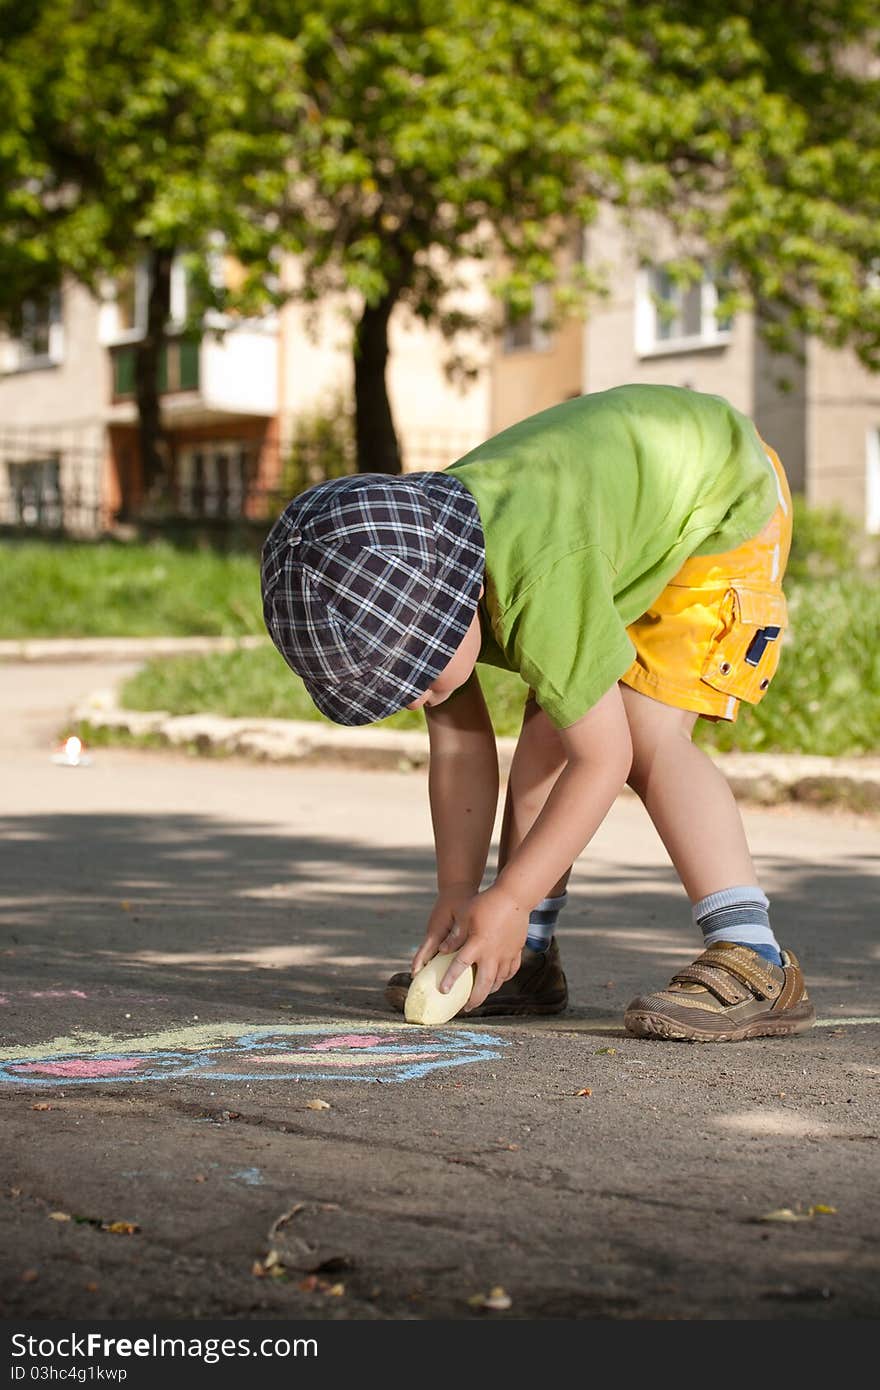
(230, 1052)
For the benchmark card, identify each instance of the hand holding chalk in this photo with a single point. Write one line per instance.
(424, 1002)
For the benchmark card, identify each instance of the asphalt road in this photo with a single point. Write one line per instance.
(192, 954)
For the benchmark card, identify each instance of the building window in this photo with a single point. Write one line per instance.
(213, 479)
(872, 483)
(179, 367)
(671, 317)
(528, 332)
(124, 312)
(37, 335)
(33, 493)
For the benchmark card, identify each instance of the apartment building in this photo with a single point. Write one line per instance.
(232, 396)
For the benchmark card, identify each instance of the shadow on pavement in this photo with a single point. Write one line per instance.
(186, 911)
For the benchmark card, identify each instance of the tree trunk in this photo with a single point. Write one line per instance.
(148, 356)
(375, 436)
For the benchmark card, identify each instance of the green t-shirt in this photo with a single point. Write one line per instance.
(588, 510)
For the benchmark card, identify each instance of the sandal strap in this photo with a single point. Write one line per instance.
(723, 971)
(725, 989)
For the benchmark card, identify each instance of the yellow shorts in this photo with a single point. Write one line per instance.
(713, 636)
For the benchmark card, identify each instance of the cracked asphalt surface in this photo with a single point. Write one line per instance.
(193, 951)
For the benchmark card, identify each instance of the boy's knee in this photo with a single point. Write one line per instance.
(657, 739)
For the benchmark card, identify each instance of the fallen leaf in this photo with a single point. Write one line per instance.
(59, 1216)
(329, 1206)
(30, 1276)
(41, 1105)
(15, 1191)
(125, 905)
(786, 1214)
(336, 1290)
(317, 1105)
(584, 1091)
(607, 1052)
(497, 1299)
(120, 1228)
(91, 1287)
(199, 1177)
(821, 1210)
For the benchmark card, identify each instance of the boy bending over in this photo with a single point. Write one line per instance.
(624, 553)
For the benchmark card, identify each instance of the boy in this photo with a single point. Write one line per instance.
(624, 553)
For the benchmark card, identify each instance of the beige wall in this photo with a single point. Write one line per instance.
(844, 405)
(437, 419)
(610, 356)
(73, 393)
(525, 381)
(780, 409)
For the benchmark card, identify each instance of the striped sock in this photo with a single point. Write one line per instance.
(542, 922)
(739, 915)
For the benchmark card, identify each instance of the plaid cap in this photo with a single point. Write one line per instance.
(369, 584)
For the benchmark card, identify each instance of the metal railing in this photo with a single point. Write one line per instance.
(58, 483)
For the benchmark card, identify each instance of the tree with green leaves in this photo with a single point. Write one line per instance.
(388, 146)
(435, 133)
(116, 110)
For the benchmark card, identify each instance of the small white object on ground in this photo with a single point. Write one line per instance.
(71, 753)
(425, 1004)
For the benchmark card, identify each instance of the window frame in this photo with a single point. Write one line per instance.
(15, 356)
(648, 342)
(203, 457)
(540, 338)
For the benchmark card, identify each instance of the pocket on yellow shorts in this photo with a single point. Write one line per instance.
(744, 652)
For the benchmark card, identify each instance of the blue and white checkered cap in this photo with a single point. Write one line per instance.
(369, 585)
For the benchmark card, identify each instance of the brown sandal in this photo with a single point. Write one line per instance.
(728, 994)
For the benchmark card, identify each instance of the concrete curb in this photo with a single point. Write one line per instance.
(768, 778)
(120, 648)
(765, 778)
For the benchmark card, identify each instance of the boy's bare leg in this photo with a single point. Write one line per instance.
(743, 985)
(687, 797)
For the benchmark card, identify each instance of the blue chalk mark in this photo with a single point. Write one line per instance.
(442, 1049)
(251, 1177)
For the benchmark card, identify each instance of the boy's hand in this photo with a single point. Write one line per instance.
(487, 929)
(444, 933)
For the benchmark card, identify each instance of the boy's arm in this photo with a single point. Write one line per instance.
(599, 755)
(463, 794)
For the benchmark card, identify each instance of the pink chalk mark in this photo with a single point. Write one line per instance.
(57, 994)
(348, 1040)
(82, 1066)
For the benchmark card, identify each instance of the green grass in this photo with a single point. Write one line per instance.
(825, 698)
(257, 684)
(80, 589)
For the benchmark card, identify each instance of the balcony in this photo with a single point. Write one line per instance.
(202, 379)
